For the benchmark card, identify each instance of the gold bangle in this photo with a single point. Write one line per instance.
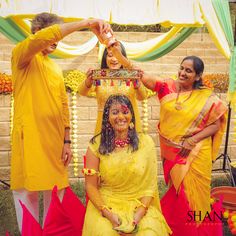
(141, 204)
(192, 145)
(191, 141)
(194, 140)
(87, 171)
(104, 207)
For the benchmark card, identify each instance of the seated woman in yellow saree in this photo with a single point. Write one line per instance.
(192, 122)
(121, 177)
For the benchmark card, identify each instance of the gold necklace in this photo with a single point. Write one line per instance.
(178, 104)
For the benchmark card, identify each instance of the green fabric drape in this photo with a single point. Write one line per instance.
(223, 13)
(11, 30)
(169, 46)
(232, 73)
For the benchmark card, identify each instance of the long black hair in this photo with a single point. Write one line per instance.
(198, 66)
(107, 144)
(104, 56)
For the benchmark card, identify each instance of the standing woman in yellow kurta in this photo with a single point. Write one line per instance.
(133, 91)
(40, 139)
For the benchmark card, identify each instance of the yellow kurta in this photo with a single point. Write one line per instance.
(105, 90)
(126, 176)
(40, 115)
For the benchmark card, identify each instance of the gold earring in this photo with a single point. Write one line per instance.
(131, 125)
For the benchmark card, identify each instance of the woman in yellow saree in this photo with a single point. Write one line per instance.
(192, 122)
(121, 178)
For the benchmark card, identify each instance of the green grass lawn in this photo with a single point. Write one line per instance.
(8, 217)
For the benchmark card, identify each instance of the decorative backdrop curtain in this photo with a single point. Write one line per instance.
(223, 13)
(15, 16)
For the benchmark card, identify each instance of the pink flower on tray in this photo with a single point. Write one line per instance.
(103, 73)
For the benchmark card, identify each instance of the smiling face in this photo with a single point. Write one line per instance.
(50, 49)
(119, 117)
(187, 75)
(112, 61)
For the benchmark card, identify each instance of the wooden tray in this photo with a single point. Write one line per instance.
(121, 74)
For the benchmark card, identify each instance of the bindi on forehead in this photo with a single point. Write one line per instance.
(124, 108)
(121, 107)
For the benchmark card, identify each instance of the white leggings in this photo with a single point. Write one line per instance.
(31, 200)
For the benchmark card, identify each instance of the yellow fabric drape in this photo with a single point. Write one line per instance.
(214, 27)
(136, 50)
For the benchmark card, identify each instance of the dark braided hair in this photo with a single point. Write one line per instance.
(198, 66)
(108, 134)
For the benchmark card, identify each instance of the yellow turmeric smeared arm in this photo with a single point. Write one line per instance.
(91, 185)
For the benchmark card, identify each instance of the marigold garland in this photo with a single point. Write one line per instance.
(74, 133)
(145, 115)
(73, 79)
(219, 82)
(231, 220)
(5, 83)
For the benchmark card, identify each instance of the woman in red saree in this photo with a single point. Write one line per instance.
(192, 122)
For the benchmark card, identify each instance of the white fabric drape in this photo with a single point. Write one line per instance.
(122, 11)
(176, 13)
